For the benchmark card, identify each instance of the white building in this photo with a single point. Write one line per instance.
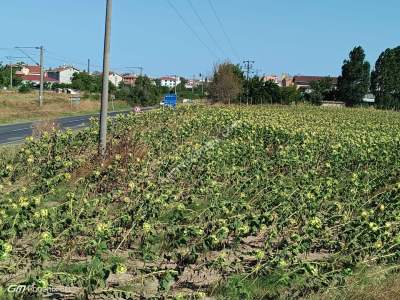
(169, 81)
(192, 83)
(115, 78)
(63, 74)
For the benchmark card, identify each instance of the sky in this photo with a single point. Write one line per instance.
(188, 37)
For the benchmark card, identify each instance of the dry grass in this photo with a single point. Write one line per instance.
(373, 284)
(16, 107)
(41, 127)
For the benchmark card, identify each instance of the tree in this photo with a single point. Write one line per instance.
(321, 90)
(90, 83)
(354, 83)
(385, 81)
(227, 84)
(289, 95)
(262, 92)
(144, 92)
(5, 76)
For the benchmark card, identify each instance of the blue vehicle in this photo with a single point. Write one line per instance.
(170, 100)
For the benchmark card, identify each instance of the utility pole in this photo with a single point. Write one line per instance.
(40, 64)
(88, 65)
(248, 66)
(106, 72)
(202, 84)
(11, 75)
(41, 75)
(11, 58)
(176, 83)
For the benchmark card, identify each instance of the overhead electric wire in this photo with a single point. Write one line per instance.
(206, 28)
(191, 28)
(223, 30)
(27, 55)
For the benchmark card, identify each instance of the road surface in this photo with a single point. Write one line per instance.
(16, 133)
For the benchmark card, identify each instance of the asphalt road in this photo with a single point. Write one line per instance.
(16, 133)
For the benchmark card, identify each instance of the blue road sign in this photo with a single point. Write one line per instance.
(170, 100)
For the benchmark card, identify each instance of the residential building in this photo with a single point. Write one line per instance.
(129, 79)
(32, 74)
(287, 80)
(170, 81)
(115, 78)
(274, 78)
(63, 74)
(28, 70)
(304, 82)
(192, 83)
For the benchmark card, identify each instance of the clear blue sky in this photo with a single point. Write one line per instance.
(310, 37)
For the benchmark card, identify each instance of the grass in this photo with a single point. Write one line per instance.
(367, 283)
(16, 107)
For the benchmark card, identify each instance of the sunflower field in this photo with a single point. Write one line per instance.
(195, 202)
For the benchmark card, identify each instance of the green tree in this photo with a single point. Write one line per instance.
(144, 92)
(262, 92)
(91, 83)
(321, 90)
(354, 82)
(227, 83)
(289, 95)
(5, 73)
(385, 81)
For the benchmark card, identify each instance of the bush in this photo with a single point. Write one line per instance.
(25, 88)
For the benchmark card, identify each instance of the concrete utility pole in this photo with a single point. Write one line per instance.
(106, 72)
(11, 76)
(11, 58)
(202, 84)
(176, 82)
(248, 66)
(88, 65)
(41, 75)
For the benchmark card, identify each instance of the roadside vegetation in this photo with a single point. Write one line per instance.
(17, 107)
(206, 200)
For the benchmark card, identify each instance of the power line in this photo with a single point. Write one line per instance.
(27, 55)
(223, 30)
(69, 61)
(206, 28)
(191, 29)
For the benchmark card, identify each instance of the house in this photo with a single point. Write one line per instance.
(129, 79)
(287, 81)
(192, 83)
(303, 83)
(28, 70)
(274, 78)
(32, 74)
(169, 81)
(63, 74)
(35, 79)
(115, 78)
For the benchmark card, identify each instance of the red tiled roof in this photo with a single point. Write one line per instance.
(37, 78)
(306, 80)
(33, 69)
